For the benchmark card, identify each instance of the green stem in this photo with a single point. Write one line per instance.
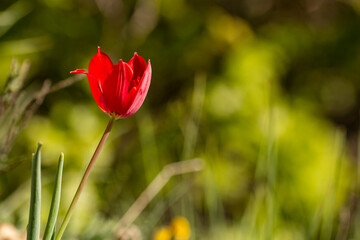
(84, 179)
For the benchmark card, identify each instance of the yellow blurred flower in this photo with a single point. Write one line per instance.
(163, 233)
(180, 228)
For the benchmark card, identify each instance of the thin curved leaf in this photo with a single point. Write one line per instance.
(55, 203)
(33, 228)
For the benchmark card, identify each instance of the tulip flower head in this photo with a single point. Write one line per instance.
(119, 90)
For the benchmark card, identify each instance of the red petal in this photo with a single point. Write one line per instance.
(138, 65)
(115, 87)
(127, 76)
(100, 67)
(79, 71)
(95, 89)
(141, 92)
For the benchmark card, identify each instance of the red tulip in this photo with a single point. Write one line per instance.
(120, 89)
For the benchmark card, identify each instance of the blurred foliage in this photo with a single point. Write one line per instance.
(265, 91)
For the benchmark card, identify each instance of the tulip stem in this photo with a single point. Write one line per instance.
(84, 179)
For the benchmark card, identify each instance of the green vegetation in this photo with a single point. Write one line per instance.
(264, 92)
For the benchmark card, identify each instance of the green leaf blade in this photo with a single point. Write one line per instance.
(33, 229)
(55, 203)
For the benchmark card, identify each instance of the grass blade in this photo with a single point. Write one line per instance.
(53, 235)
(33, 229)
(54, 208)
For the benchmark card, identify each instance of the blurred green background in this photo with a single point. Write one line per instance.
(265, 92)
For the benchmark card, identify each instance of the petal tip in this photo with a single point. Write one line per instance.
(78, 71)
